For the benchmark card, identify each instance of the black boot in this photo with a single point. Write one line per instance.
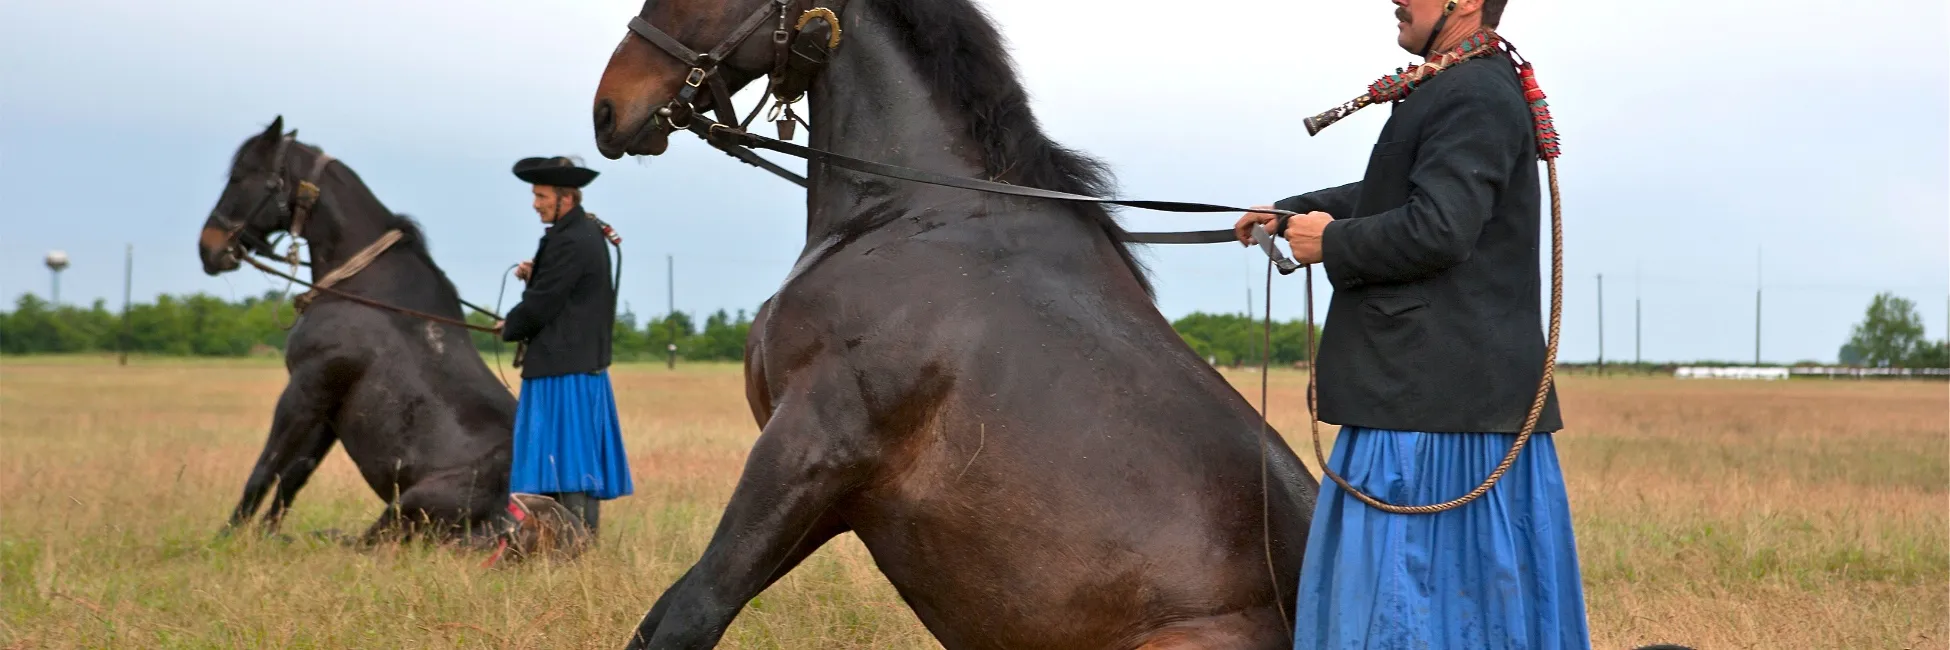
(584, 506)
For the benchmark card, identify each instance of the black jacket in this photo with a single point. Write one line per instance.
(1436, 322)
(569, 308)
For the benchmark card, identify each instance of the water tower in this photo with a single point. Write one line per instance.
(56, 260)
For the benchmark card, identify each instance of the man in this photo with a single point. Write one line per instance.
(1430, 360)
(568, 444)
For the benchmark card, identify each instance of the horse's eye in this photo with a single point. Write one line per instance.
(271, 183)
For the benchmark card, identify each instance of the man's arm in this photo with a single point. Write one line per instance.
(1336, 201)
(555, 273)
(1469, 151)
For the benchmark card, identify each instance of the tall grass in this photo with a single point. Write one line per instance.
(1720, 515)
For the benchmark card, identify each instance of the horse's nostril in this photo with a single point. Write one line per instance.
(605, 118)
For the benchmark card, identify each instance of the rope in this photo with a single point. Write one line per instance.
(498, 297)
(368, 301)
(1265, 508)
(1536, 405)
(358, 262)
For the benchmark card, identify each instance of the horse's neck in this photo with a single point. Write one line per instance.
(346, 219)
(871, 103)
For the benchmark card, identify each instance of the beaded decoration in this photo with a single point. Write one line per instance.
(1397, 86)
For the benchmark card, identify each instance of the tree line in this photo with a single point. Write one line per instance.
(205, 325)
(1889, 335)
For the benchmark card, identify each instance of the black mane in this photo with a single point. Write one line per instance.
(961, 55)
(253, 157)
(415, 241)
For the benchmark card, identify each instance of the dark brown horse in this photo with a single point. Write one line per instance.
(978, 387)
(428, 425)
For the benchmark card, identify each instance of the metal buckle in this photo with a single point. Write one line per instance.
(1285, 264)
(696, 78)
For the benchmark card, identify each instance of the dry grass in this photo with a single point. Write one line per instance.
(1721, 515)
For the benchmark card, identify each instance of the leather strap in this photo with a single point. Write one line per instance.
(658, 38)
(920, 176)
(810, 154)
(370, 302)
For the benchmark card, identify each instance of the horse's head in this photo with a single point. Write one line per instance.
(669, 61)
(255, 202)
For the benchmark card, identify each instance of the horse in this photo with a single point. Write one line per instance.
(421, 415)
(979, 387)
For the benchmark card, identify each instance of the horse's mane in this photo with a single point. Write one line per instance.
(961, 56)
(414, 239)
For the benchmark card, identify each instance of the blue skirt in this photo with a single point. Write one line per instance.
(567, 438)
(1500, 572)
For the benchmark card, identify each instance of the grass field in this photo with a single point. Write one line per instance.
(1716, 514)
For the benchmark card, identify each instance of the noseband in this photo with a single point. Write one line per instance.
(294, 201)
(795, 61)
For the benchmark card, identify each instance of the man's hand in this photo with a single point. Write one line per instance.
(524, 269)
(500, 325)
(1244, 228)
(1303, 236)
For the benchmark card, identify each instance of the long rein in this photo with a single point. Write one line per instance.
(326, 289)
(735, 140)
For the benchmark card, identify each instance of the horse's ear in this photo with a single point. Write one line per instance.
(276, 129)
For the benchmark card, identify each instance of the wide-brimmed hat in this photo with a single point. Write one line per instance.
(557, 171)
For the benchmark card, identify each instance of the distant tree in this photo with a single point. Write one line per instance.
(1930, 354)
(1889, 333)
(1238, 339)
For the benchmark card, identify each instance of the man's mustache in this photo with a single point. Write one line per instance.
(1401, 14)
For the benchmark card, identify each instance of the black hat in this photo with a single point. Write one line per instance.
(557, 171)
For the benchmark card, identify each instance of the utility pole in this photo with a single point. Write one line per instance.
(1601, 323)
(1638, 322)
(1638, 312)
(1757, 281)
(670, 308)
(128, 278)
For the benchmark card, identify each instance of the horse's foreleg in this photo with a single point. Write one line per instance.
(811, 455)
(293, 425)
(822, 531)
(296, 472)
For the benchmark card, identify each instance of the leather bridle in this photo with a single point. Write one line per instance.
(291, 200)
(798, 55)
(794, 62)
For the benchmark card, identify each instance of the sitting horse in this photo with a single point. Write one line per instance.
(419, 412)
(977, 386)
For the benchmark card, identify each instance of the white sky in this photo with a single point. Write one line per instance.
(1696, 135)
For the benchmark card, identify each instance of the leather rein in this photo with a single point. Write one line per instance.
(297, 200)
(798, 55)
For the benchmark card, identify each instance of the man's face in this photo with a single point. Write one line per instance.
(1414, 19)
(547, 203)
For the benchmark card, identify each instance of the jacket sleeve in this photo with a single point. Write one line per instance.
(1467, 153)
(1337, 202)
(556, 271)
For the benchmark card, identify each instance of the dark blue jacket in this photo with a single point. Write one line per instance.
(1436, 323)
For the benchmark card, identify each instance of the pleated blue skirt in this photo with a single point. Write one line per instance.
(1499, 573)
(567, 438)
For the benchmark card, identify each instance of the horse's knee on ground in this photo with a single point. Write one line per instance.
(443, 512)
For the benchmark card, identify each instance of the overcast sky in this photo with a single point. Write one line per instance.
(1701, 139)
